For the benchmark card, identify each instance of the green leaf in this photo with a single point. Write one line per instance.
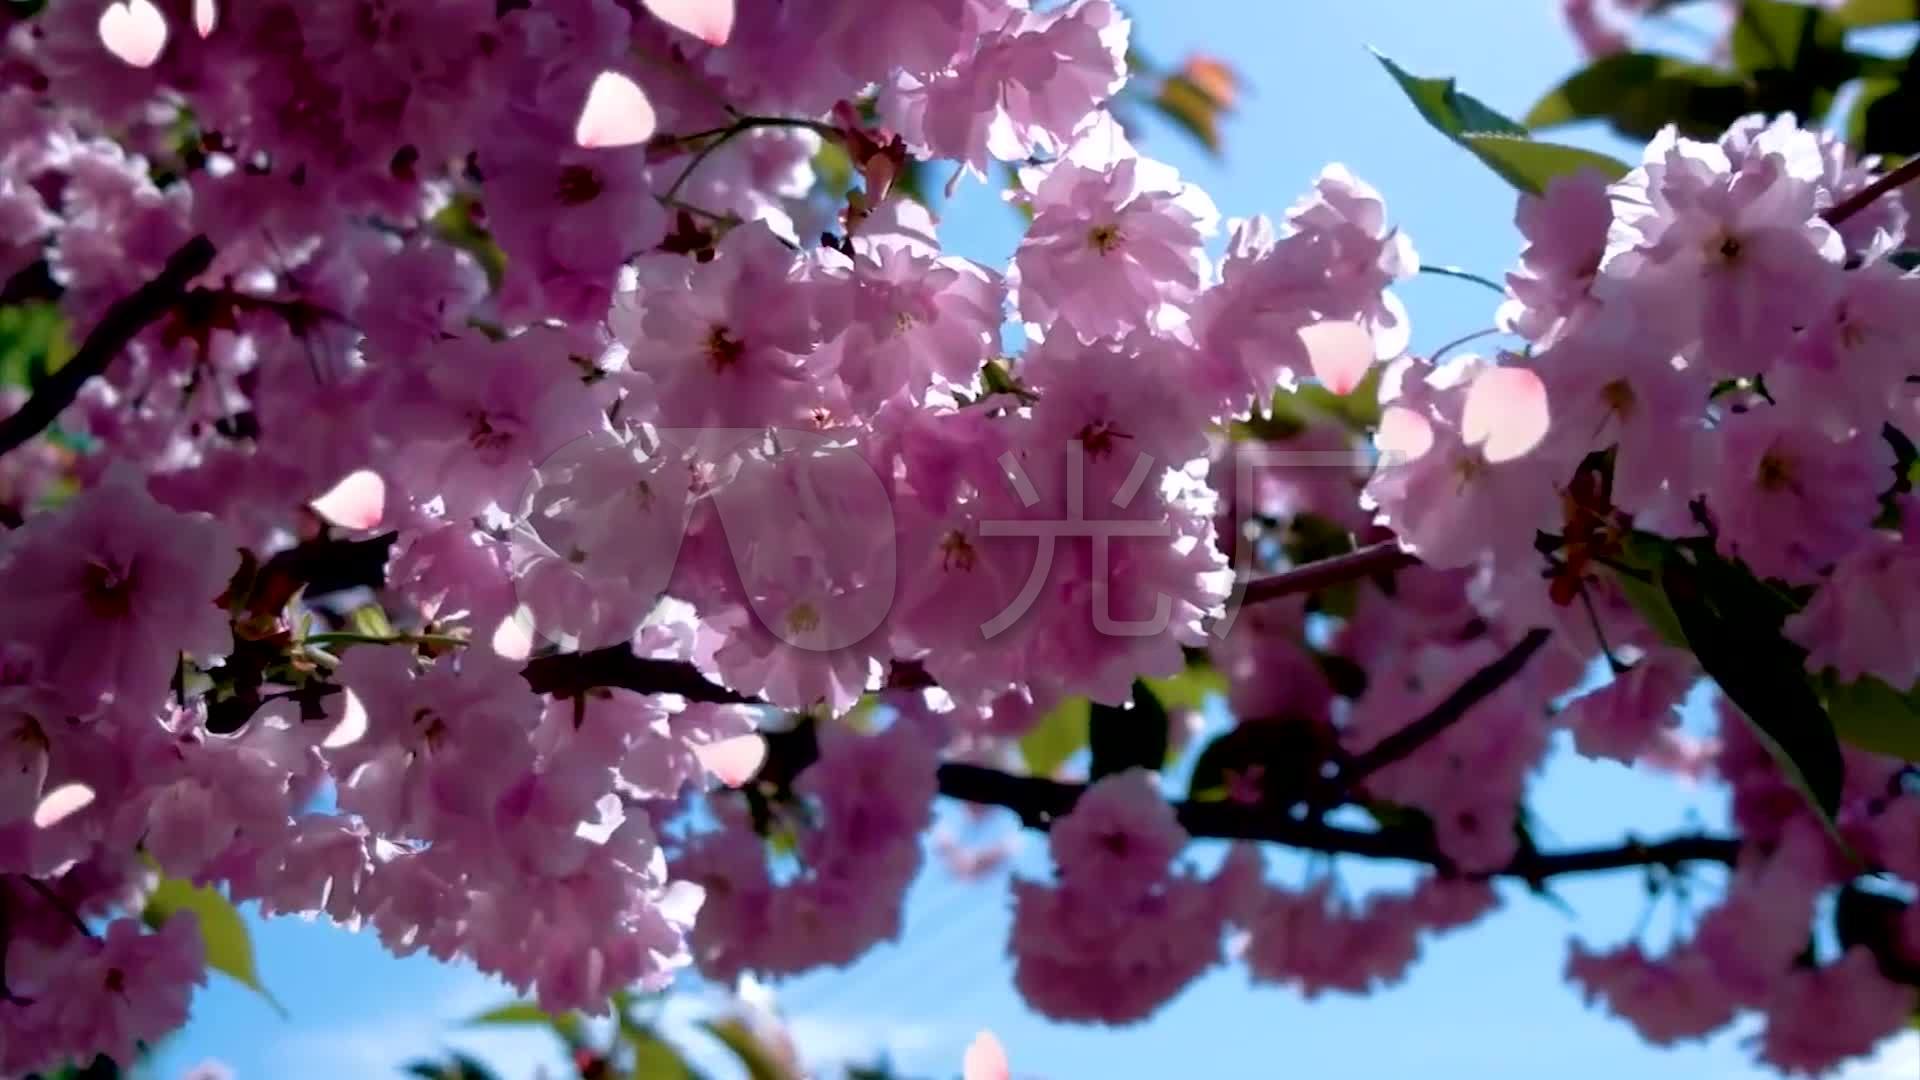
(1874, 716)
(912, 182)
(834, 169)
(760, 1062)
(1855, 13)
(1646, 553)
(1128, 738)
(1058, 736)
(34, 343)
(529, 1014)
(654, 1058)
(1499, 142)
(457, 225)
(1735, 634)
(1451, 112)
(1190, 689)
(1640, 93)
(1191, 108)
(371, 620)
(1770, 34)
(1885, 118)
(229, 947)
(1530, 165)
(1359, 410)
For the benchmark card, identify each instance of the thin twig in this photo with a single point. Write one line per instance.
(1459, 341)
(1464, 275)
(1479, 686)
(728, 134)
(53, 900)
(1380, 558)
(1866, 196)
(121, 324)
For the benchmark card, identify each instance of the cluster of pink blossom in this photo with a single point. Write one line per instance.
(515, 297)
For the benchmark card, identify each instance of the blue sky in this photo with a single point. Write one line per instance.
(1486, 1004)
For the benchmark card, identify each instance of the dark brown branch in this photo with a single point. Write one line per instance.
(567, 674)
(123, 321)
(1478, 687)
(1373, 559)
(571, 674)
(1866, 196)
(1039, 802)
(31, 282)
(57, 903)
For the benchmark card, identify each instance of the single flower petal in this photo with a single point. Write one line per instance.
(1505, 413)
(986, 1059)
(709, 20)
(62, 803)
(681, 903)
(358, 501)
(205, 18)
(134, 31)
(1404, 435)
(617, 113)
(353, 722)
(735, 760)
(513, 638)
(1340, 352)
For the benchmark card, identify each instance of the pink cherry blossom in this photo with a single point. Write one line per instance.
(1030, 82)
(1566, 230)
(1729, 257)
(1790, 500)
(1110, 243)
(1667, 1000)
(1821, 1017)
(112, 588)
(1857, 624)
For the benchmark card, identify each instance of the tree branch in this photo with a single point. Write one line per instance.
(1478, 687)
(31, 282)
(123, 321)
(1373, 559)
(1867, 196)
(1040, 801)
(571, 674)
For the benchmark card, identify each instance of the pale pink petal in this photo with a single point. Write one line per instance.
(735, 760)
(1404, 434)
(1506, 413)
(513, 638)
(709, 20)
(134, 31)
(358, 501)
(617, 113)
(986, 1059)
(682, 901)
(1340, 352)
(62, 803)
(353, 722)
(205, 18)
